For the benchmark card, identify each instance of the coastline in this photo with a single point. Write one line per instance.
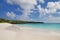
(14, 32)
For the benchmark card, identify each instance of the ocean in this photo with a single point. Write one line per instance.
(45, 29)
(47, 26)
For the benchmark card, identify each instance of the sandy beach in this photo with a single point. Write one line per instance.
(13, 32)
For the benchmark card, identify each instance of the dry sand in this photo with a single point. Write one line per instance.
(10, 32)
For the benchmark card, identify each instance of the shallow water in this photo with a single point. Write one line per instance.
(53, 29)
(43, 26)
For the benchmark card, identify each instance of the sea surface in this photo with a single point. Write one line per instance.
(47, 26)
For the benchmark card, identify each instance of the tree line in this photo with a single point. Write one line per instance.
(2, 20)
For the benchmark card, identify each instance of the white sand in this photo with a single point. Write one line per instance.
(16, 33)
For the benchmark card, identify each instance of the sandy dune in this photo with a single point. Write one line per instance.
(10, 32)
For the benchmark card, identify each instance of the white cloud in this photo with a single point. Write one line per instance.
(52, 19)
(41, 10)
(51, 5)
(50, 11)
(41, 1)
(57, 4)
(27, 5)
(18, 9)
(11, 14)
(51, 8)
(54, 5)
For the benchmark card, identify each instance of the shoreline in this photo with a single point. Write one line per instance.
(41, 31)
(14, 32)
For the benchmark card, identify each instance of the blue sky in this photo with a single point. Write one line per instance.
(31, 10)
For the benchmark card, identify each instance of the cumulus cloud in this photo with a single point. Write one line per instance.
(11, 14)
(51, 8)
(27, 5)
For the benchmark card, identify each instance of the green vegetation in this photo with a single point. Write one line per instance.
(16, 21)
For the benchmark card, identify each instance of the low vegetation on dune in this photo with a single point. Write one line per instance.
(2, 20)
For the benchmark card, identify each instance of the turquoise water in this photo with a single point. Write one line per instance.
(43, 26)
